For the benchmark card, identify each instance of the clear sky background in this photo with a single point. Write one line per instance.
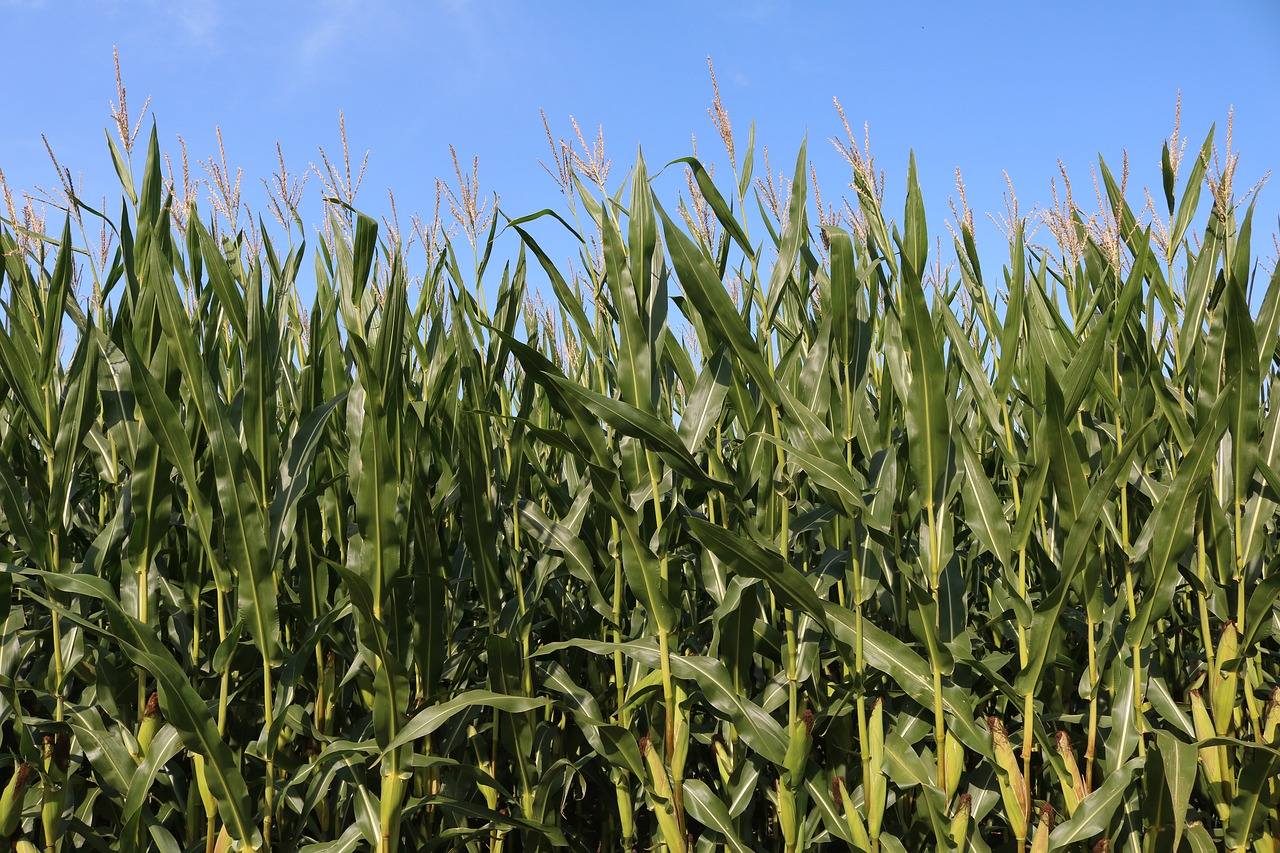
(985, 87)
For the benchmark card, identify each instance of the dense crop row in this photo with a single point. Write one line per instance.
(757, 541)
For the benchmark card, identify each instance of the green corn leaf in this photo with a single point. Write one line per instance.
(1180, 762)
(180, 703)
(714, 308)
(975, 374)
(617, 745)
(928, 426)
(706, 401)
(430, 719)
(794, 234)
(1239, 361)
(833, 476)
(748, 558)
(18, 362)
(751, 722)
(103, 749)
(1168, 531)
(1253, 797)
(635, 355)
(851, 336)
(1047, 615)
(721, 208)
(564, 537)
(1093, 816)
(915, 243)
(710, 811)
(78, 411)
(25, 519)
(59, 290)
(983, 511)
(164, 424)
(294, 476)
(165, 745)
(911, 672)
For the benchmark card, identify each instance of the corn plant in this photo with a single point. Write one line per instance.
(769, 535)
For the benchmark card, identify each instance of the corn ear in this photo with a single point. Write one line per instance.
(788, 820)
(56, 754)
(1271, 717)
(1213, 759)
(11, 799)
(1040, 843)
(876, 787)
(680, 747)
(954, 764)
(798, 751)
(1072, 783)
(148, 725)
(661, 797)
(1224, 680)
(724, 760)
(1009, 775)
(960, 820)
(852, 817)
(206, 795)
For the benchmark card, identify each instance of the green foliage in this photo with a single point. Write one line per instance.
(876, 559)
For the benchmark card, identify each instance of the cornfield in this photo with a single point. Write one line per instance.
(781, 539)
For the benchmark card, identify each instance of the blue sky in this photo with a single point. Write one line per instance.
(984, 87)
